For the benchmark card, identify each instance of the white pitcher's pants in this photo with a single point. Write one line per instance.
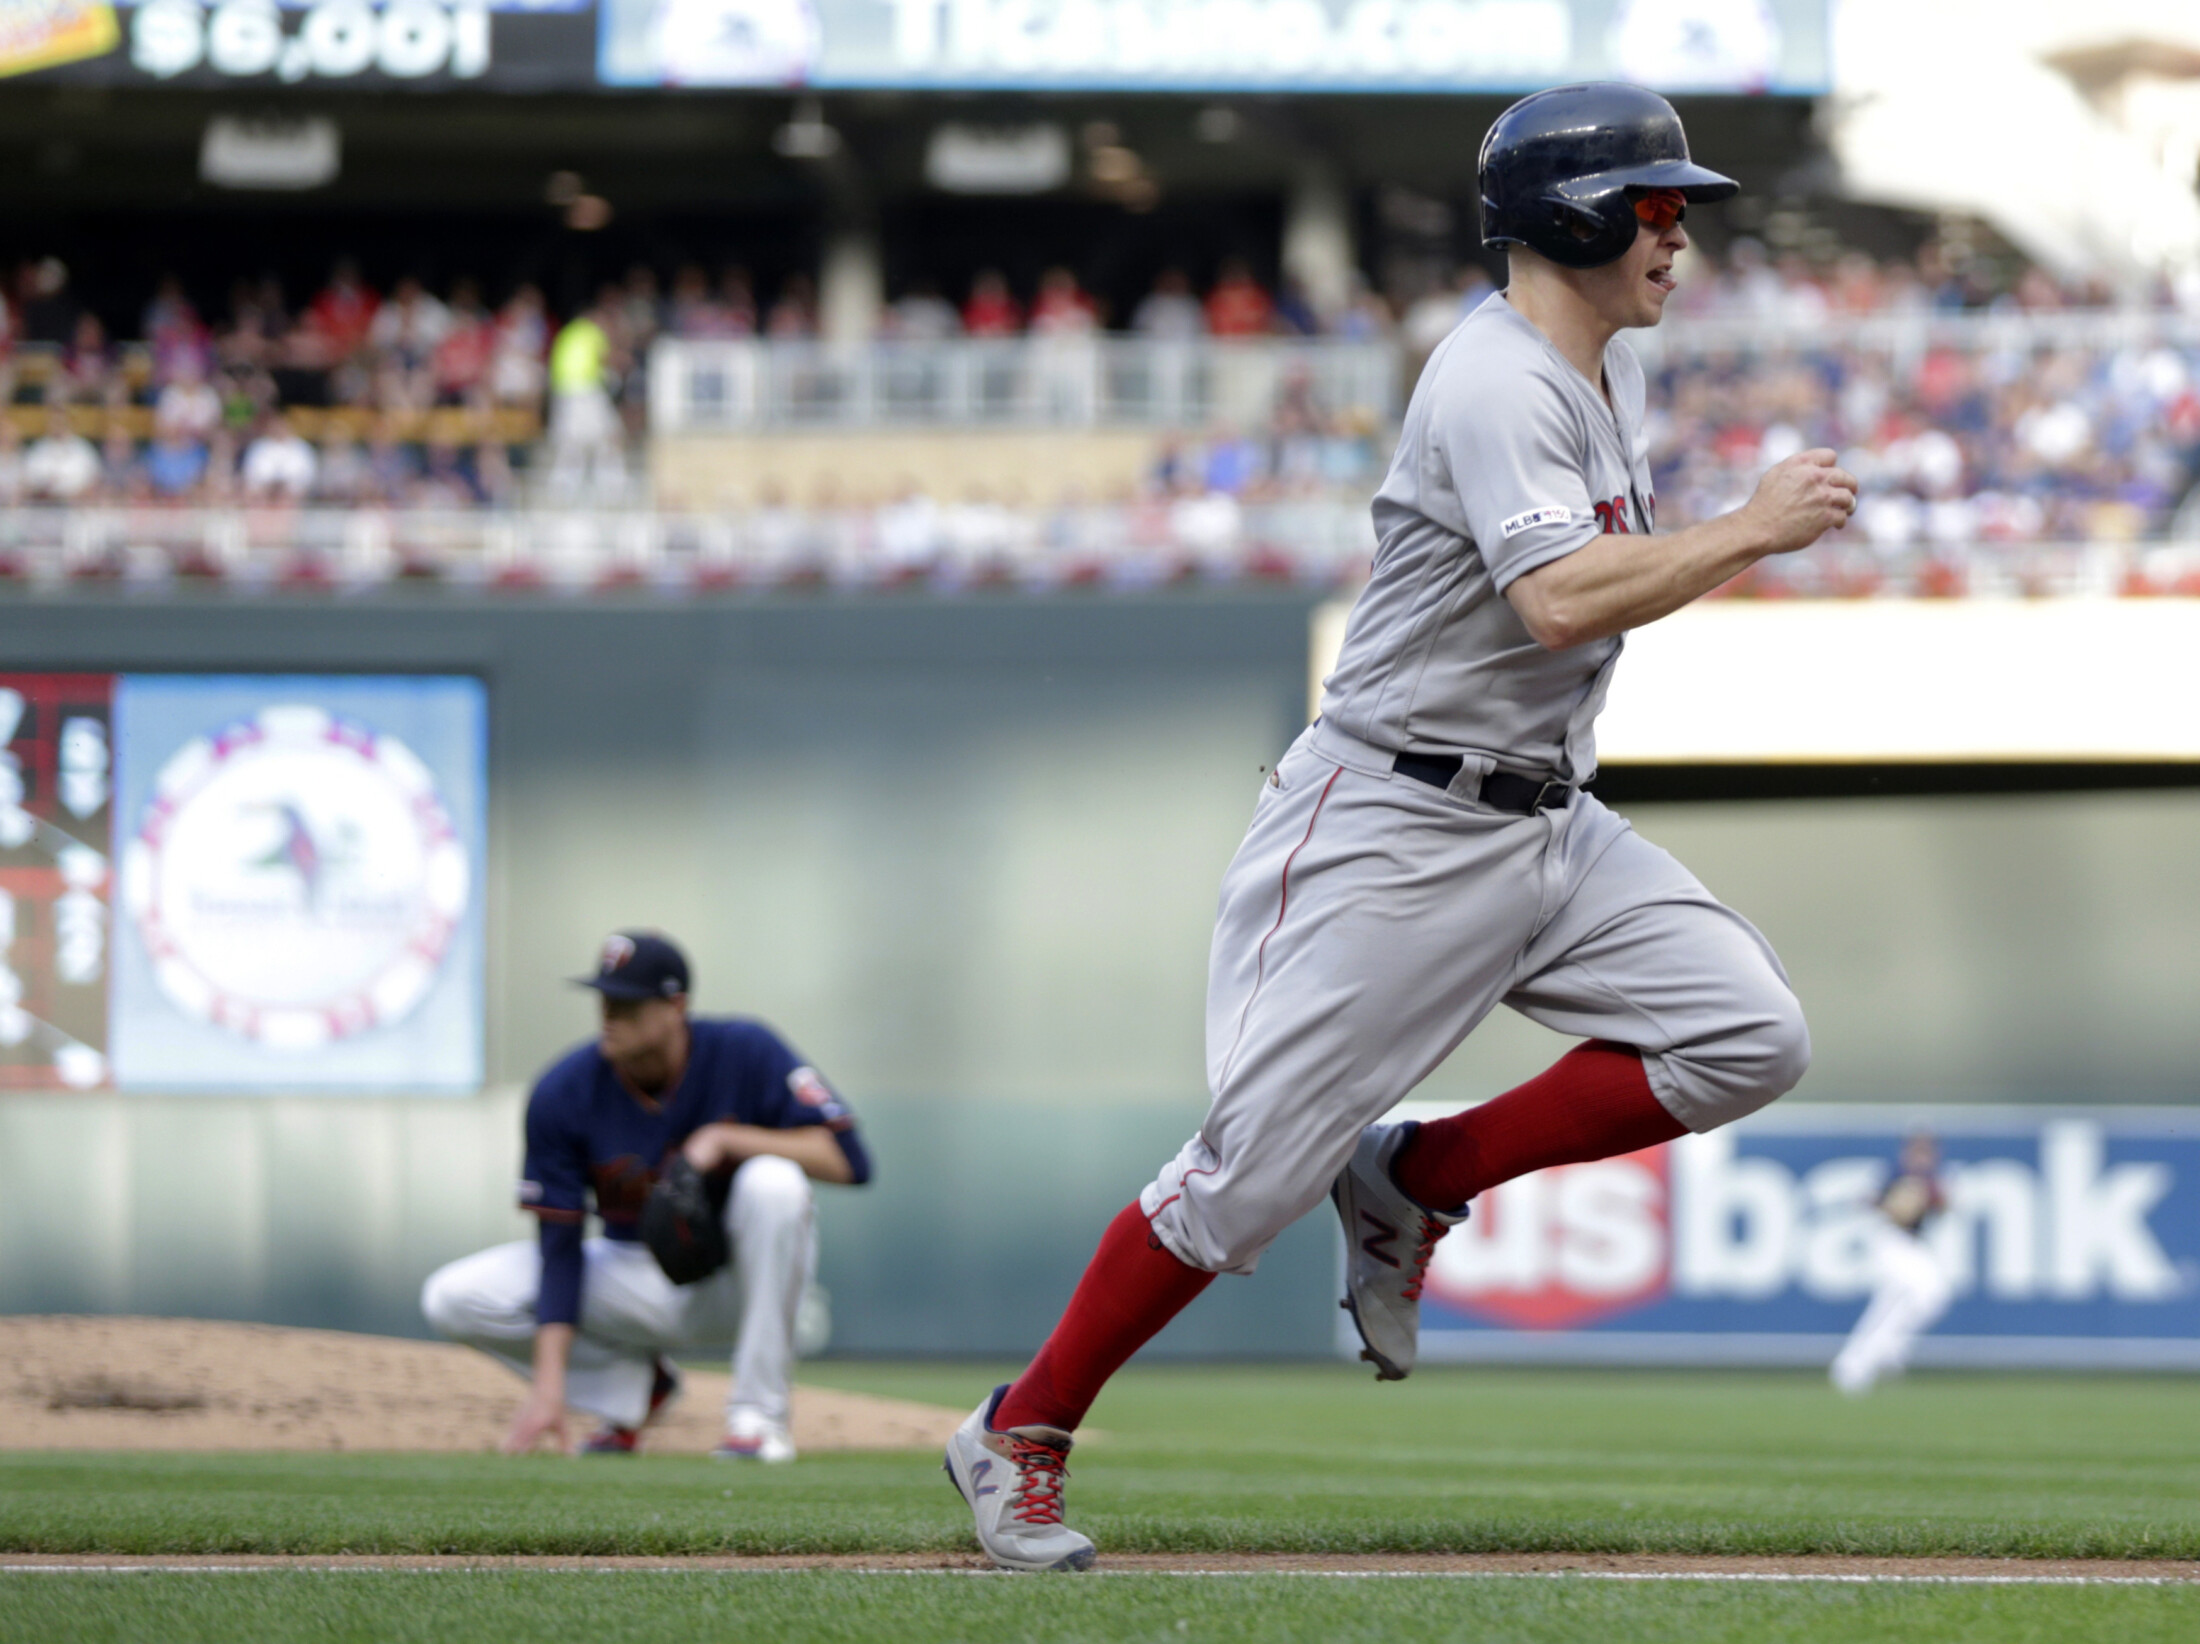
(1909, 1293)
(630, 1312)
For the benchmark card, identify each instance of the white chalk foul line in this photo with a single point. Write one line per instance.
(1762, 1577)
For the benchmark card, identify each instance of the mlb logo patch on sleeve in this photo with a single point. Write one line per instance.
(1552, 515)
(811, 1090)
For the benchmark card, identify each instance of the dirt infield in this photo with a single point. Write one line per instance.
(1612, 1566)
(186, 1384)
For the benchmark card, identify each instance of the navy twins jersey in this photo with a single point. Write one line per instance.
(591, 1137)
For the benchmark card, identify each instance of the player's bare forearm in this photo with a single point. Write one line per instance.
(1620, 581)
(553, 1351)
(810, 1146)
(543, 1412)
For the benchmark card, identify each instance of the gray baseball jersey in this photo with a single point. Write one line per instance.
(1371, 920)
(1508, 460)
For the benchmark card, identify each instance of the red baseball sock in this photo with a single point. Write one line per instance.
(1592, 1103)
(1131, 1288)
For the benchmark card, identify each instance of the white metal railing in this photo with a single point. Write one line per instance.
(1321, 541)
(1032, 382)
(1906, 337)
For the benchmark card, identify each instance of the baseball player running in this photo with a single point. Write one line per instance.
(1910, 1289)
(590, 1321)
(1424, 852)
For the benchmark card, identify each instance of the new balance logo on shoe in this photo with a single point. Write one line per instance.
(1377, 1244)
(1383, 1274)
(1018, 1514)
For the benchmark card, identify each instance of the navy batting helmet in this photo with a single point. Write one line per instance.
(1556, 168)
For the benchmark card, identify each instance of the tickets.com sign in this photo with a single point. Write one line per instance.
(1213, 45)
(2071, 1238)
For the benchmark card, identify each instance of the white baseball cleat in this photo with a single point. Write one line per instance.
(1013, 1483)
(753, 1436)
(1388, 1240)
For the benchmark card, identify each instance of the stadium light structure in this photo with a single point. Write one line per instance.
(2072, 129)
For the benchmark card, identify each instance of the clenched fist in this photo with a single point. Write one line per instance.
(1800, 500)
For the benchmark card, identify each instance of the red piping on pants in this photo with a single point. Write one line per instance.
(1283, 906)
(1178, 1194)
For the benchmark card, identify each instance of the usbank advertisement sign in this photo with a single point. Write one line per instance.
(2071, 1237)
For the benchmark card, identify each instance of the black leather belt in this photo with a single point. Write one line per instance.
(1501, 790)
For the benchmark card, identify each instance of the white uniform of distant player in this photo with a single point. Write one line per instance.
(1910, 1288)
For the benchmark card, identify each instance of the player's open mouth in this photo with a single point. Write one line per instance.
(1662, 278)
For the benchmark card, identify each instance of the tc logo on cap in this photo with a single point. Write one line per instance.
(638, 964)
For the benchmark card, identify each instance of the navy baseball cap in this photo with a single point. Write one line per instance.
(638, 964)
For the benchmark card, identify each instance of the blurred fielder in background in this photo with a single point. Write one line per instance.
(590, 1321)
(1910, 1289)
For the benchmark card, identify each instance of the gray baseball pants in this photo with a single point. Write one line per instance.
(1370, 921)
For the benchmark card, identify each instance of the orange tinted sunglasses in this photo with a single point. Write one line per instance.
(1661, 208)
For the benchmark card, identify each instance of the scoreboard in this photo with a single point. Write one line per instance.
(56, 877)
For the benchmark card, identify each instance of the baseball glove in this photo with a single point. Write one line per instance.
(682, 1226)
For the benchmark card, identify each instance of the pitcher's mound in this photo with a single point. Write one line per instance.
(188, 1384)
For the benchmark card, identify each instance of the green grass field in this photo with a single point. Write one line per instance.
(545, 1607)
(1303, 1460)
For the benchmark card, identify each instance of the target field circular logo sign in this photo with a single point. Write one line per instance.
(295, 878)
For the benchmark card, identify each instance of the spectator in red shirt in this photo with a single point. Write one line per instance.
(1062, 308)
(991, 311)
(345, 308)
(461, 362)
(1237, 306)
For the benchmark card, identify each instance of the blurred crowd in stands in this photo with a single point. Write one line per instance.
(2022, 438)
(441, 401)
(2018, 445)
(350, 398)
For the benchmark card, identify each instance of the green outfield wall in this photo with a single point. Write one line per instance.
(964, 854)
